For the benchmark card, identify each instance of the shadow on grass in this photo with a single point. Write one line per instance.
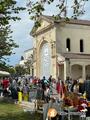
(21, 116)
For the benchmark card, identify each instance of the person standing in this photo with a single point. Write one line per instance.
(59, 87)
(5, 84)
(43, 83)
(75, 86)
(26, 92)
(1, 89)
(50, 79)
(47, 94)
(87, 88)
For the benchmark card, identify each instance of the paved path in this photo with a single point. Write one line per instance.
(28, 106)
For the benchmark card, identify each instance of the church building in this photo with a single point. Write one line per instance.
(62, 48)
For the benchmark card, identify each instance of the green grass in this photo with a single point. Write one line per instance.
(15, 112)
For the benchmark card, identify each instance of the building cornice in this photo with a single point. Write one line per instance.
(43, 30)
(53, 21)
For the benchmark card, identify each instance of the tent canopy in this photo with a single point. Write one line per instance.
(3, 73)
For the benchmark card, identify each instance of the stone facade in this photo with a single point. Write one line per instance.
(62, 58)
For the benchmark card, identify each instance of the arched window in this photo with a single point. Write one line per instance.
(81, 46)
(68, 44)
(45, 63)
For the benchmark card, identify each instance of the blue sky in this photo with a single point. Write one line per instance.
(21, 30)
(21, 34)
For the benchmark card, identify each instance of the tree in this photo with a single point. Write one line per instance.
(20, 70)
(36, 9)
(8, 11)
(29, 65)
(3, 66)
(8, 68)
(11, 70)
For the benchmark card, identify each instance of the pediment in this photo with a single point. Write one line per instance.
(44, 24)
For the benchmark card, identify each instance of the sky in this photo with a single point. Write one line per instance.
(21, 34)
(21, 29)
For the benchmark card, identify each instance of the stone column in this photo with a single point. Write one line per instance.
(58, 70)
(67, 71)
(83, 73)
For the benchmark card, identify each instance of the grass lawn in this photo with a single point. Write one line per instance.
(15, 112)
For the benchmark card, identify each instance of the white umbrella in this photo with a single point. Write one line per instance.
(4, 73)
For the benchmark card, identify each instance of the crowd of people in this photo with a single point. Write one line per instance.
(75, 94)
(45, 87)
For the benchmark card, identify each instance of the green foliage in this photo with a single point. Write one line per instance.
(12, 71)
(20, 70)
(8, 11)
(6, 42)
(5, 67)
(29, 64)
(36, 8)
